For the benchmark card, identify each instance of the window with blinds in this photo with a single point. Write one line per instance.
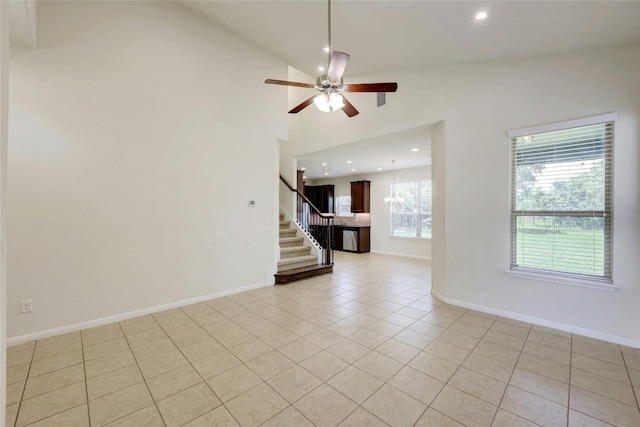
(561, 199)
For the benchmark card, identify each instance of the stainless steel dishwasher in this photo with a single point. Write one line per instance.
(349, 240)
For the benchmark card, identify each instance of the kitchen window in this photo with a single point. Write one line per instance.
(412, 218)
(343, 204)
(561, 200)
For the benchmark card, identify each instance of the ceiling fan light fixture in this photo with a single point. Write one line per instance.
(321, 102)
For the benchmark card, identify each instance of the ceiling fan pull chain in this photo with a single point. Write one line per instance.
(329, 33)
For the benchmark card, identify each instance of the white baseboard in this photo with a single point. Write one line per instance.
(129, 315)
(540, 322)
(424, 258)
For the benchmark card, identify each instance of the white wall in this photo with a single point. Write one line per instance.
(4, 122)
(479, 103)
(381, 241)
(138, 133)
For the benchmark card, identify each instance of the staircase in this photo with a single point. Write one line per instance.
(296, 260)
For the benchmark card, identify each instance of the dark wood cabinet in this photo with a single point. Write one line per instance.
(361, 197)
(352, 239)
(321, 196)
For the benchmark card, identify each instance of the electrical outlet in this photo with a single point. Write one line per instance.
(480, 284)
(26, 306)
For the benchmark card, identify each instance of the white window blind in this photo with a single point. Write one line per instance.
(561, 201)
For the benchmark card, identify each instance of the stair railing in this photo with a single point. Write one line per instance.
(319, 225)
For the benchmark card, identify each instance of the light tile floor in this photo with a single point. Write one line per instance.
(365, 346)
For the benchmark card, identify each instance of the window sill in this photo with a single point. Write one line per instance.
(563, 280)
(409, 238)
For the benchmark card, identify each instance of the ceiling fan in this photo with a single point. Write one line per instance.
(331, 87)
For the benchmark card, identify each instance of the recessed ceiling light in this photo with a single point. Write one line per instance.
(479, 16)
(415, 149)
(326, 49)
(304, 176)
(324, 164)
(303, 169)
(320, 68)
(353, 170)
(379, 169)
(349, 162)
(326, 173)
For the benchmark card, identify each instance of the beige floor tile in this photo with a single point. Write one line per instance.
(385, 328)
(201, 349)
(221, 328)
(215, 364)
(481, 386)
(51, 403)
(400, 319)
(599, 367)
(53, 348)
(414, 339)
(113, 381)
(394, 407)
(153, 349)
(556, 391)
(53, 363)
(548, 352)
(444, 350)
(138, 325)
(197, 309)
(546, 367)
(89, 339)
(324, 338)
(438, 319)
(596, 342)
(362, 320)
(209, 319)
(173, 382)
(193, 336)
(362, 418)
(298, 326)
(324, 406)
(427, 328)
(602, 408)
(121, 403)
(258, 326)
(146, 337)
(145, 417)
(299, 350)
(233, 382)
(53, 381)
(349, 351)
(294, 383)
(414, 383)
(17, 373)
(397, 350)
(468, 328)
(180, 328)
(507, 419)
(29, 345)
(432, 418)
(106, 348)
(510, 329)
(11, 414)
(379, 365)
(19, 357)
(463, 407)
(324, 365)
(632, 359)
(344, 328)
(578, 419)
(219, 417)
(355, 384)
(368, 338)
(188, 405)
(74, 417)
(14, 392)
(289, 417)
(544, 337)
(622, 392)
(606, 354)
(270, 364)
(433, 366)
(111, 362)
(160, 364)
(256, 406)
(534, 408)
(459, 339)
(506, 340)
(279, 337)
(249, 350)
(498, 352)
(234, 337)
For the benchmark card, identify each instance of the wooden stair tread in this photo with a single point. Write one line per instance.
(295, 274)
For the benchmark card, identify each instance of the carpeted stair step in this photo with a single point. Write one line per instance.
(287, 242)
(297, 262)
(284, 224)
(294, 251)
(289, 232)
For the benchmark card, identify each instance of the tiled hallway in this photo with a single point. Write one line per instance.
(365, 346)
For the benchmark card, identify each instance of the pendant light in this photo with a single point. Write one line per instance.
(393, 200)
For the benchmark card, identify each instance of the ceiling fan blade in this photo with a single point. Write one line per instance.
(372, 87)
(348, 108)
(337, 65)
(302, 105)
(288, 83)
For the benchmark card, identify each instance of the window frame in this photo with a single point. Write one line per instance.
(604, 282)
(418, 215)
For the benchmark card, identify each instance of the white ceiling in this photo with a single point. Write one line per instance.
(395, 34)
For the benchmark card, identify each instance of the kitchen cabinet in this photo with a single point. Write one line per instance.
(321, 196)
(361, 196)
(352, 239)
